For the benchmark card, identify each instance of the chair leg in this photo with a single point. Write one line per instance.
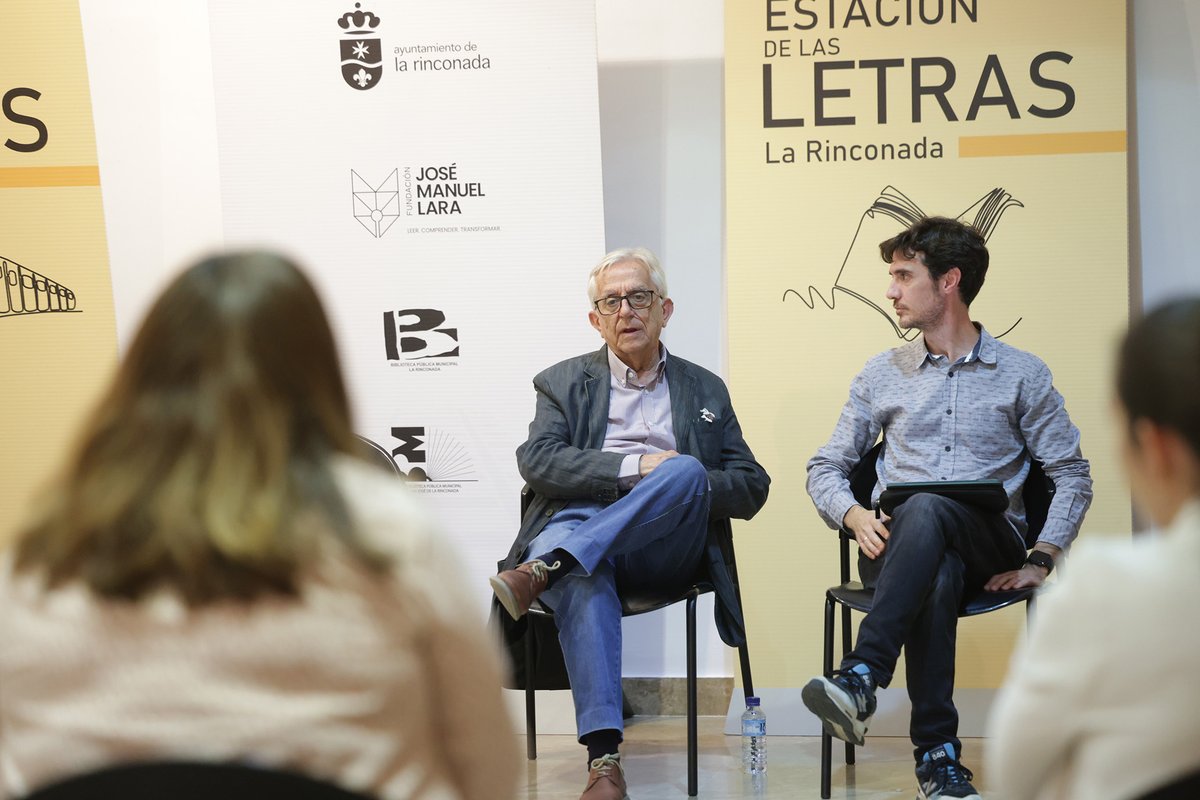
(744, 649)
(692, 732)
(744, 658)
(826, 739)
(847, 643)
(846, 647)
(530, 683)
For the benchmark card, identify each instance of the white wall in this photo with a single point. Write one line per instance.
(153, 103)
(1166, 42)
(661, 88)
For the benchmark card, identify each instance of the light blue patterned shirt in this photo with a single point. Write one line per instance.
(982, 417)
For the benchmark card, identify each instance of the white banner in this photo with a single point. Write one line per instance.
(436, 166)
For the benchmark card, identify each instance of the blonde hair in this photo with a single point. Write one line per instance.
(205, 467)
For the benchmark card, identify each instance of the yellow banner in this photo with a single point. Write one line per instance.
(57, 332)
(845, 121)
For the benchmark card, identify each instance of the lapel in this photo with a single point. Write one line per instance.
(596, 388)
(683, 402)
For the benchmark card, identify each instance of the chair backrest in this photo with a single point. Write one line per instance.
(378, 456)
(186, 780)
(862, 484)
(863, 477)
(1185, 788)
(1037, 493)
(527, 496)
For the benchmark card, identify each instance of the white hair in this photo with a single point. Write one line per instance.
(639, 254)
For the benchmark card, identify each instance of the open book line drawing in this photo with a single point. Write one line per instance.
(852, 277)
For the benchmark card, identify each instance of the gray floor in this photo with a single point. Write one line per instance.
(655, 761)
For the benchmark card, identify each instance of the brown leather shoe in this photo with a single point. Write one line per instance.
(516, 589)
(606, 779)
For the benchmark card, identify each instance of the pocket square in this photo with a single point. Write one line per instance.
(707, 415)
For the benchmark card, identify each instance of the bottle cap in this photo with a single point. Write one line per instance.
(752, 701)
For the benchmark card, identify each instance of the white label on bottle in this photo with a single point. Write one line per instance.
(754, 727)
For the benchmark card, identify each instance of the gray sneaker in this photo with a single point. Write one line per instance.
(844, 703)
(940, 776)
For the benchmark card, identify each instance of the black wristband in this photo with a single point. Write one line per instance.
(1040, 559)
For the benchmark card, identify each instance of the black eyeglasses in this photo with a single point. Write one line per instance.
(642, 298)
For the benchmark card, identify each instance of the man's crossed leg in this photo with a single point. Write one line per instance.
(937, 549)
(586, 557)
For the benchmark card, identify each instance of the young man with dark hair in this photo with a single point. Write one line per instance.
(943, 244)
(954, 404)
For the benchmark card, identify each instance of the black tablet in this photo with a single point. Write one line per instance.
(986, 495)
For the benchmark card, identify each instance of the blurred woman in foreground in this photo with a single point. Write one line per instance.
(215, 577)
(1104, 700)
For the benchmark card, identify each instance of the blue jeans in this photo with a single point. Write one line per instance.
(652, 538)
(938, 550)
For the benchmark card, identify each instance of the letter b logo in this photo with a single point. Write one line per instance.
(414, 333)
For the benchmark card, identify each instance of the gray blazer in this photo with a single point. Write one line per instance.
(562, 460)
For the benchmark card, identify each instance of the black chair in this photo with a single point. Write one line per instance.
(187, 780)
(632, 605)
(852, 595)
(375, 454)
(1185, 788)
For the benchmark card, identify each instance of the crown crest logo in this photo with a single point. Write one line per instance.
(358, 21)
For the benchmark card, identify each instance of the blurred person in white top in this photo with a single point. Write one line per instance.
(215, 575)
(1103, 699)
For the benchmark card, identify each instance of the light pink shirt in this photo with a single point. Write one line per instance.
(384, 684)
(639, 415)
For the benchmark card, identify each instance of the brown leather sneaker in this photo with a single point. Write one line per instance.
(516, 589)
(606, 779)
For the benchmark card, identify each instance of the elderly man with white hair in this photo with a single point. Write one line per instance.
(632, 453)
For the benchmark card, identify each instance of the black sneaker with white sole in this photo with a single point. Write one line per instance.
(940, 775)
(844, 703)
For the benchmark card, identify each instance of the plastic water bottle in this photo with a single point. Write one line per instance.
(754, 738)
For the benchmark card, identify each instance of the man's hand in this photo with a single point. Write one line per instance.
(870, 533)
(1029, 576)
(649, 461)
